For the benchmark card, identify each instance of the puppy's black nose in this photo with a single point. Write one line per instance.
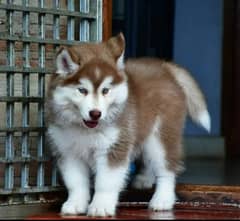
(95, 114)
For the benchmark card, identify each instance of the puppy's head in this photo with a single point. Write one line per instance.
(89, 87)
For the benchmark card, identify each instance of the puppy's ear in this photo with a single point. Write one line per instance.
(64, 62)
(116, 45)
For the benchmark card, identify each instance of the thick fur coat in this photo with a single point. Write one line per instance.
(103, 112)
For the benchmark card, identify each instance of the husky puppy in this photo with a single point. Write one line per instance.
(103, 112)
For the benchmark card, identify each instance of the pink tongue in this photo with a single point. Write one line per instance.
(91, 124)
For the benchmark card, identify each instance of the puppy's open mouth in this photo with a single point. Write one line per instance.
(91, 123)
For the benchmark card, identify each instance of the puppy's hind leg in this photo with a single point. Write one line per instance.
(155, 153)
(145, 178)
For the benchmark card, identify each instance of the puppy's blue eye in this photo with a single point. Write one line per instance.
(83, 91)
(105, 91)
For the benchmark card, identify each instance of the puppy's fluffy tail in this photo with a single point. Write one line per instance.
(196, 104)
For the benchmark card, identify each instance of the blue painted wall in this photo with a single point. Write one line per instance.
(198, 28)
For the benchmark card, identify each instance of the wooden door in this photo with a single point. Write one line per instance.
(231, 79)
(107, 19)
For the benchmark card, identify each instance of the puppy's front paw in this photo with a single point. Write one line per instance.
(74, 207)
(164, 202)
(102, 206)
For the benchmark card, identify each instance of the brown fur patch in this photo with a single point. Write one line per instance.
(153, 92)
(89, 71)
(90, 56)
(119, 152)
(107, 51)
(158, 94)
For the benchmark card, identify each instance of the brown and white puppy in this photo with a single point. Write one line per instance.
(103, 112)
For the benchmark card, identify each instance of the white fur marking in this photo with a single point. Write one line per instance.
(120, 62)
(82, 144)
(205, 120)
(68, 97)
(106, 83)
(120, 93)
(86, 83)
(97, 73)
(195, 101)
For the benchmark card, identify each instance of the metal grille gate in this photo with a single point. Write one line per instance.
(30, 33)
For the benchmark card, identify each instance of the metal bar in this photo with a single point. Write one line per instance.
(9, 147)
(22, 99)
(4, 69)
(25, 105)
(99, 21)
(41, 88)
(85, 6)
(70, 21)
(84, 26)
(90, 15)
(24, 160)
(36, 40)
(96, 25)
(56, 22)
(22, 129)
(31, 190)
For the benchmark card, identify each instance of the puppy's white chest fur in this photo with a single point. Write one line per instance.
(84, 144)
